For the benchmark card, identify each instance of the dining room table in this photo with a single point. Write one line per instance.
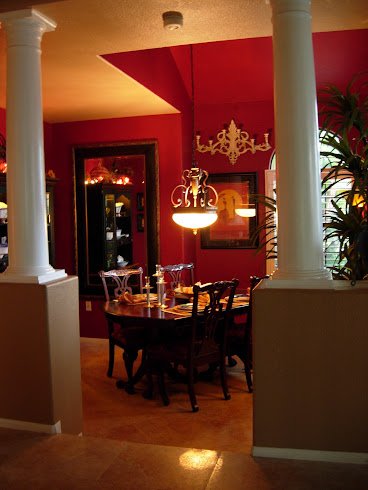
(174, 316)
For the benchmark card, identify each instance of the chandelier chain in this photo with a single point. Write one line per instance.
(194, 163)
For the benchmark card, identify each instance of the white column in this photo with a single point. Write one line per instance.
(298, 187)
(26, 189)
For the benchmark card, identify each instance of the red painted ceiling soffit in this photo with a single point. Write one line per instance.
(156, 70)
(240, 70)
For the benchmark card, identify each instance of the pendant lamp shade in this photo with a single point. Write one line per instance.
(246, 210)
(194, 202)
(195, 218)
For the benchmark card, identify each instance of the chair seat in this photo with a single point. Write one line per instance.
(132, 336)
(177, 352)
(236, 333)
(171, 352)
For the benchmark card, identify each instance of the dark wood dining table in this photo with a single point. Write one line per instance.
(154, 319)
(127, 314)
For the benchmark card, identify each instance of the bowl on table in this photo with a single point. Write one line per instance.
(122, 263)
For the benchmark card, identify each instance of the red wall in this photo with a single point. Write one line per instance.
(257, 118)
(167, 131)
(3, 121)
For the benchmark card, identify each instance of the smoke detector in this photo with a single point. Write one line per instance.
(172, 20)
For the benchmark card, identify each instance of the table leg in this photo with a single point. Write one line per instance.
(130, 356)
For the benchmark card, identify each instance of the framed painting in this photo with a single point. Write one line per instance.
(231, 230)
(140, 222)
(140, 201)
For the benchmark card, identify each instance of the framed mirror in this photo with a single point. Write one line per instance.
(113, 228)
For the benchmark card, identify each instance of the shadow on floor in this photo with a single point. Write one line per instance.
(109, 412)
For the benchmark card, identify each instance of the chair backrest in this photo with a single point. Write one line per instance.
(175, 271)
(119, 278)
(209, 328)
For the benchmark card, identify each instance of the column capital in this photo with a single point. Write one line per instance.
(28, 14)
(25, 27)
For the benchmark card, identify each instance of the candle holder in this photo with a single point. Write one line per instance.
(147, 287)
(160, 286)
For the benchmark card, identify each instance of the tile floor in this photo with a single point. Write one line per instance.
(112, 413)
(149, 446)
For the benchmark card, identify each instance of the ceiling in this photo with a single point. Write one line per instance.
(79, 85)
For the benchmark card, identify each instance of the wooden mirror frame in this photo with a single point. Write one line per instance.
(149, 150)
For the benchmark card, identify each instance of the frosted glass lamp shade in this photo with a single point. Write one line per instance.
(246, 210)
(194, 218)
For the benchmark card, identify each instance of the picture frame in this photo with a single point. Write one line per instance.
(140, 222)
(231, 230)
(140, 201)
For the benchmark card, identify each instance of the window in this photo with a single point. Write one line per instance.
(333, 190)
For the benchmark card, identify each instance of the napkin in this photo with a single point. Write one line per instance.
(134, 299)
(184, 290)
(204, 299)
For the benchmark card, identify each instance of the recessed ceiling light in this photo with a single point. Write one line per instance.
(172, 20)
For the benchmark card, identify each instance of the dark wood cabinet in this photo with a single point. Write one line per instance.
(141, 223)
(50, 182)
(109, 228)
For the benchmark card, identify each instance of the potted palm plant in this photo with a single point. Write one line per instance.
(264, 235)
(344, 138)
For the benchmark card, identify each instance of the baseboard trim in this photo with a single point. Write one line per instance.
(31, 426)
(310, 455)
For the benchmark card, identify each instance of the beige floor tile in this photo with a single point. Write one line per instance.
(54, 482)
(161, 467)
(241, 471)
(63, 456)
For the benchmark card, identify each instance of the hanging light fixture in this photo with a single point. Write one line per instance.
(246, 210)
(193, 206)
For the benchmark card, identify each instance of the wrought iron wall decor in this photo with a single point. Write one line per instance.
(233, 142)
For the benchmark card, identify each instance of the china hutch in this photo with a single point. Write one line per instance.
(50, 182)
(109, 227)
(104, 210)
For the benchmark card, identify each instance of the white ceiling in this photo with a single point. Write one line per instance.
(78, 85)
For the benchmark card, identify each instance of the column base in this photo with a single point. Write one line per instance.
(14, 276)
(298, 284)
(336, 284)
(301, 278)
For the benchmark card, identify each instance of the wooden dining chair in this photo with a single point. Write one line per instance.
(119, 279)
(176, 274)
(130, 339)
(239, 338)
(204, 344)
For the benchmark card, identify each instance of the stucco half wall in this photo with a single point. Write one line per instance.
(310, 352)
(40, 382)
